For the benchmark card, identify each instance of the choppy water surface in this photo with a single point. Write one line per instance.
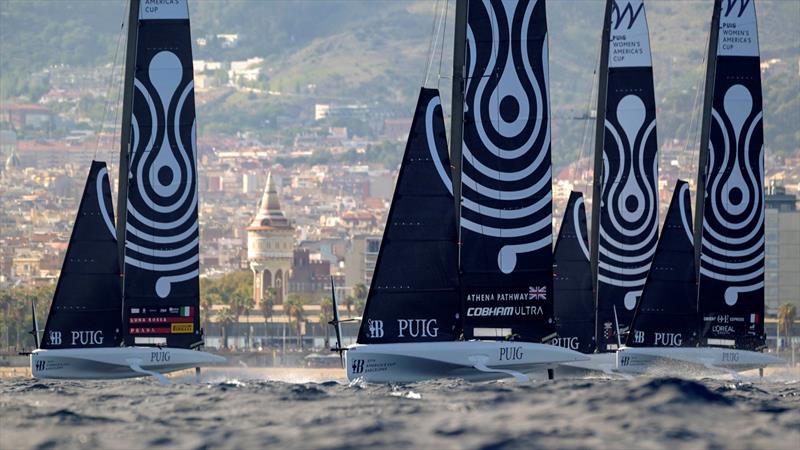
(223, 412)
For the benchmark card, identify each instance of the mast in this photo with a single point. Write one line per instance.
(125, 130)
(457, 103)
(599, 139)
(705, 133)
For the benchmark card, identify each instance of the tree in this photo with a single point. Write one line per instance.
(786, 315)
(325, 316)
(267, 306)
(349, 301)
(225, 318)
(294, 310)
(360, 291)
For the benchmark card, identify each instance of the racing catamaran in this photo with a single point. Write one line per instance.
(146, 322)
(463, 281)
(729, 232)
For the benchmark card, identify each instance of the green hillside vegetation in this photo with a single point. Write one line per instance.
(375, 52)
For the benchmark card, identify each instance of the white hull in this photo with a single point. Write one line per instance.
(596, 362)
(116, 362)
(674, 361)
(470, 360)
(679, 360)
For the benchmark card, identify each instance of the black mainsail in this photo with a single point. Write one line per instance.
(506, 208)
(731, 209)
(666, 315)
(625, 205)
(161, 287)
(85, 311)
(414, 292)
(572, 280)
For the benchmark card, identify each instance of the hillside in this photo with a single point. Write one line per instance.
(375, 52)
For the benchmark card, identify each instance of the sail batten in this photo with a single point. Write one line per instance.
(413, 296)
(505, 216)
(627, 207)
(161, 253)
(731, 240)
(85, 311)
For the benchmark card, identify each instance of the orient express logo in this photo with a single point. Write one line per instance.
(358, 366)
(40, 365)
(638, 337)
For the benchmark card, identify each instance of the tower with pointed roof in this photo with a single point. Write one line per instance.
(270, 246)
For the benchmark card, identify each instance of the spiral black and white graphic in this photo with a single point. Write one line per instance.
(506, 178)
(731, 290)
(733, 225)
(629, 212)
(629, 195)
(162, 228)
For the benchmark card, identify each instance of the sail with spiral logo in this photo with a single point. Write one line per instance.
(625, 215)
(161, 266)
(506, 199)
(414, 292)
(731, 244)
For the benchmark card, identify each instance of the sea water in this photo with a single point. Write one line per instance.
(238, 408)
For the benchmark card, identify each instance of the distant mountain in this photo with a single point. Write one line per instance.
(375, 52)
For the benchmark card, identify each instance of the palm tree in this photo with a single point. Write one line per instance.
(294, 310)
(360, 291)
(225, 318)
(207, 305)
(349, 301)
(266, 306)
(325, 316)
(786, 315)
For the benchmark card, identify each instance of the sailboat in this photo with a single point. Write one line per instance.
(729, 232)
(624, 227)
(146, 322)
(625, 210)
(462, 285)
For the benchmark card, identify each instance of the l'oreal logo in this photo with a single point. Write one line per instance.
(417, 328)
(627, 11)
